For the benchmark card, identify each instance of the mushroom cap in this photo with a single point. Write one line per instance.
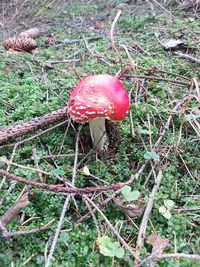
(98, 96)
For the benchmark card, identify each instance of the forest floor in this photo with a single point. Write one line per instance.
(153, 221)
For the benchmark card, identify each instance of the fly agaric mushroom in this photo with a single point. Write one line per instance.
(95, 99)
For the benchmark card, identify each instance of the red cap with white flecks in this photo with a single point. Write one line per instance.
(98, 96)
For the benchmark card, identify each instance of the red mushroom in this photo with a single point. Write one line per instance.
(95, 99)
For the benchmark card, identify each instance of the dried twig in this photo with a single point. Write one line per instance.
(59, 189)
(37, 164)
(197, 89)
(7, 234)
(112, 228)
(143, 225)
(180, 256)
(112, 38)
(12, 213)
(156, 78)
(57, 233)
(8, 168)
(65, 206)
(186, 56)
(155, 257)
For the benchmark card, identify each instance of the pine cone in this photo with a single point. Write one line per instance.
(20, 44)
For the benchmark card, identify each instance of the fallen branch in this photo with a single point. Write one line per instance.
(12, 213)
(7, 234)
(65, 206)
(31, 138)
(180, 256)
(186, 56)
(156, 78)
(177, 256)
(60, 188)
(112, 228)
(11, 132)
(143, 225)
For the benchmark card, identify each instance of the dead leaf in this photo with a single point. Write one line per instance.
(158, 243)
(173, 44)
(130, 210)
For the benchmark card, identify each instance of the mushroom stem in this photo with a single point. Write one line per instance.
(98, 133)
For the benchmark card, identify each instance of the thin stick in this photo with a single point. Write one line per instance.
(65, 206)
(37, 164)
(156, 78)
(112, 228)
(93, 216)
(57, 233)
(13, 211)
(77, 74)
(112, 38)
(64, 137)
(59, 189)
(197, 89)
(186, 56)
(143, 225)
(28, 232)
(8, 167)
(177, 256)
(180, 256)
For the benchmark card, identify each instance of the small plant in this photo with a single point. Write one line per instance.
(151, 155)
(129, 195)
(166, 209)
(109, 248)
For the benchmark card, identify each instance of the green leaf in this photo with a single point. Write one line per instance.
(145, 131)
(58, 172)
(119, 253)
(109, 248)
(128, 194)
(169, 204)
(126, 190)
(165, 212)
(161, 93)
(151, 155)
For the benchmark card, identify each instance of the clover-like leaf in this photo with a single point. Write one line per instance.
(165, 212)
(151, 155)
(109, 248)
(58, 171)
(145, 131)
(169, 203)
(119, 252)
(128, 194)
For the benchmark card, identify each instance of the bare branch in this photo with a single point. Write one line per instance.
(143, 225)
(12, 213)
(8, 133)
